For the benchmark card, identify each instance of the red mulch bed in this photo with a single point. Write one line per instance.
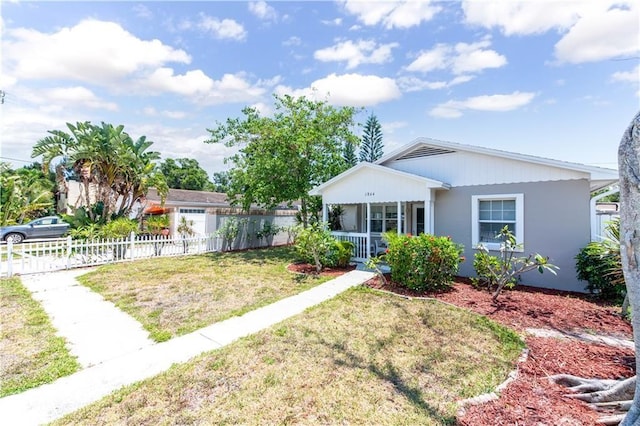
(531, 399)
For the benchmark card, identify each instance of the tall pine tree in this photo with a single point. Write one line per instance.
(371, 149)
(349, 154)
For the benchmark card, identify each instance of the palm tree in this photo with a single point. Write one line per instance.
(113, 169)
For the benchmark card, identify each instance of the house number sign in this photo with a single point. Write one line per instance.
(369, 194)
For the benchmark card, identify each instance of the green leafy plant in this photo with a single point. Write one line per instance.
(185, 229)
(314, 243)
(483, 262)
(341, 252)
(229, 231)
(599, 264)
(423, 262)
(155, 224)
(376, 263)
(119, 228)
(507, 269)
(268, 231)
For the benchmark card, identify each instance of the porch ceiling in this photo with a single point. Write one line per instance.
(371, 183)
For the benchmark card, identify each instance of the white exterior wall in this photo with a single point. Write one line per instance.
(371, 186)
(350, 218)
(468, 169)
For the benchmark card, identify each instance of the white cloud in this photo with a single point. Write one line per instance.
(292, 41)
(521, 17)
(91, 51)
(360, 52)
(390, 127)
(142, 11)
(152, 112)
(414, 84)
(461, 58)
(632, 76)
(222, 29)
(398, 14)
(188, 84)
(262, 10)
(76, 96)
(590, 30)
(349, 90)
(601, 34)
(453, 109)
(333, 22)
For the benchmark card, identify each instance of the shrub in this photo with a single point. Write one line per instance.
(313, 244)
(600, 265)
(341, 252)
(424, 262)
(504, 270)
(483, 263)
(119, 228)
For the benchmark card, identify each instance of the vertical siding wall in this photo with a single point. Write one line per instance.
(556, 224)
(249, 225)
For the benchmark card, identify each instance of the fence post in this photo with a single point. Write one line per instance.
(10, 258)
(68, 251)
(132, 238)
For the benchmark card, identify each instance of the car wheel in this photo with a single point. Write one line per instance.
(14, 238)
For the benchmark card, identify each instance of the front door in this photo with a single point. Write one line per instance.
(418, 220)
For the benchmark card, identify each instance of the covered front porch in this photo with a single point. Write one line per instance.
(376, 200)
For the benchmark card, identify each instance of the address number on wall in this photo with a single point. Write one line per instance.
(369, 194)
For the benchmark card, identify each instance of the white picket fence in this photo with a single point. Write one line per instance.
(51, 255)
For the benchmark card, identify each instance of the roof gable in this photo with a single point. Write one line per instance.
(367, 182)
(527, 167)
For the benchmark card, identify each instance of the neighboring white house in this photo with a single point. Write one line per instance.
(469, 193)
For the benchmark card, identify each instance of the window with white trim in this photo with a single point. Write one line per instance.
(491, 213)
(385, 218)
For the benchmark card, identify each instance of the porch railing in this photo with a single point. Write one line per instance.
(359, 240)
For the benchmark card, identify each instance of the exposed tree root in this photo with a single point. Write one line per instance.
(613, 396)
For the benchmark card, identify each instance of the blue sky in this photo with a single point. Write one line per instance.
(558, 79)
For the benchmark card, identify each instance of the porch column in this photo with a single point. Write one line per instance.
(428, 213)
(325, 212)
(399, 226)
(368, 230)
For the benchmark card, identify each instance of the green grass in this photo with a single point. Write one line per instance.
(364, 357)
(30, 352)
(175, 296)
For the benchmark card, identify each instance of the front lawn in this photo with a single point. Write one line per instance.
(175, 296)
(364, 357)
(30, 352)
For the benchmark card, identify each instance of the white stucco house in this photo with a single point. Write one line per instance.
(469, 193)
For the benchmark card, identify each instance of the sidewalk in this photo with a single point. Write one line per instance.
(138, 360)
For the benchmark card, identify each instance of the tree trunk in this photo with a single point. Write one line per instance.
(629, 168)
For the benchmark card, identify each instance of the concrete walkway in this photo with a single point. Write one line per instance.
(78, 313)
(137, 360)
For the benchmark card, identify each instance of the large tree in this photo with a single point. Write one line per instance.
(372, 147)
(185, 173)
(281, 158)
(114, 170)
(624, 394)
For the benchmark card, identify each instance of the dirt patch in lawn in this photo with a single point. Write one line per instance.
(531, 399)
(308, 269)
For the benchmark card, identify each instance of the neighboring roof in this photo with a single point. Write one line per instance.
(432, 183)
(427, 146)
(186, 197)
(190, 198)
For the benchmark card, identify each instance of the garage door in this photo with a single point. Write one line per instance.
(197, 216)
